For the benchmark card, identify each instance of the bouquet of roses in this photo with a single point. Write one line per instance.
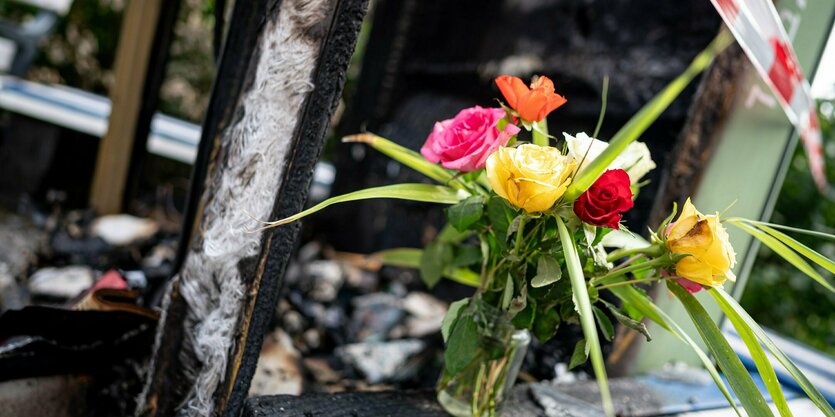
(529, 225)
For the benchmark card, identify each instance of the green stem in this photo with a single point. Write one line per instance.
(540, 132)
(653, 251)
(634, 281)
(663, 261)
(519, 236)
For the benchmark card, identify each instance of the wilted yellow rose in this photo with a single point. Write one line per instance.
(531, 177)
(704, 238)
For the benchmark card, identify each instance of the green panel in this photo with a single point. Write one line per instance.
(746, 171)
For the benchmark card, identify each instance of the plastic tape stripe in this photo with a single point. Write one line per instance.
(757, 28)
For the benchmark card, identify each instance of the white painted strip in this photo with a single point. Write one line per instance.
(60, 7)
(8, 50)
(171, 149)
(88, 113)
(38, 109)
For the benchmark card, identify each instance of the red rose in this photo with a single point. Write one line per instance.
(603, 203)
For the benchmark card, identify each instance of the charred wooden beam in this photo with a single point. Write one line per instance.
(698, 137)
(217, 308)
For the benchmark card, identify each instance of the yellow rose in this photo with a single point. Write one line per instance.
(706, 241)
(531, 177)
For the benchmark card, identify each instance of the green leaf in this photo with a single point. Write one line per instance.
(514, 225)
(407, 157)
(814, 233)
(781, 357)
(525, 318)
(605, 324)
(414, 192)
(645, 117)
(635, 299)
(500, 214)
(507, 294)
(411, 257)
(545, 324)
(764, 367)
(804, 250)
(583, 305)
(662, 229)
(738, 377)
(580, 354)
(466, 213)
(466, 255)
(451, 316)
(628, 321)
(785, 252)
(463, 276)
(519, 302)
(462, 345)
(450, 235)
(436, 256)
(548, 271)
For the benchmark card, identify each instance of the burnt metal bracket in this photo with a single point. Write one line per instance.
(279, 80)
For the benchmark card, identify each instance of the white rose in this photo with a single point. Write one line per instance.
(635, 159)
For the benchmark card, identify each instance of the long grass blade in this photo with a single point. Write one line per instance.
(802, 249)
(604, 97)
(414, 192)
(804, 383)
(785, 252)
(410, 258)
(407, 157)
(639, 123)
(635, 299)
(764, 367)
(583, 305)
(738, 377)
(815, 233)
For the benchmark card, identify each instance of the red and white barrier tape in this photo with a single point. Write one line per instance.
(757, 28)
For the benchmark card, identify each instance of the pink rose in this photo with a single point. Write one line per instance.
(465, 142)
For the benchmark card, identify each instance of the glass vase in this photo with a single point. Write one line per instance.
(478, 389)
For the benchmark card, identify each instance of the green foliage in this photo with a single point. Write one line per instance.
(580, 354)
(435, 257)
(451, 316)
(548, 271)
(466, 213)
(462, 344)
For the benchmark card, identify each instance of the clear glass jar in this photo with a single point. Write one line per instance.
(479, 388)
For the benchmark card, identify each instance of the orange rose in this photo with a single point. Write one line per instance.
(533, 103)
